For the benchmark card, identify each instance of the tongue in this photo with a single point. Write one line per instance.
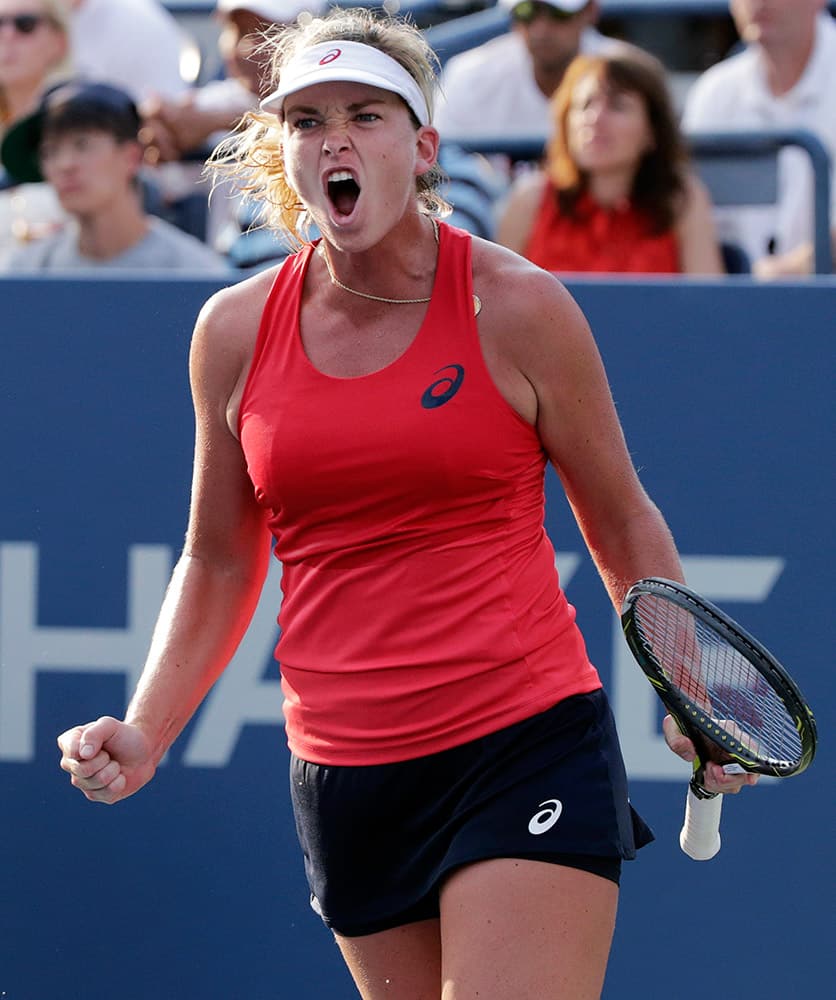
(344, 200)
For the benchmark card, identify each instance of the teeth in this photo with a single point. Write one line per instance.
(341, 175)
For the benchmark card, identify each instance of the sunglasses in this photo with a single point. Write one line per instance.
(529, 10)
(24, 24)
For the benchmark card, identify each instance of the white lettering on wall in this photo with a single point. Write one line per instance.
(242, 696)
(27, 648)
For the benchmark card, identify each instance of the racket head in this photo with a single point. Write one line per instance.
(727, 692)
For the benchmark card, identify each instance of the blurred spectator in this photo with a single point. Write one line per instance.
(503, 87)
(83, 140)
(615, 194)
(34, 47)
(201, 117)
(784, 79)
(34, 52)
(133, 44)
(172, 128)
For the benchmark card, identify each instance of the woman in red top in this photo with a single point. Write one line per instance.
(384, 403)
(615, 194)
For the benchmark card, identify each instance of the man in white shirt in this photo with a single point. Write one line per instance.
(502, 88)
(133, 44)
(784, 79)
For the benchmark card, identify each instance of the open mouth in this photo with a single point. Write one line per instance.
(343, 191)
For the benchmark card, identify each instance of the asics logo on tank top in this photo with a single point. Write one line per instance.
(548, 814)
(443, 389)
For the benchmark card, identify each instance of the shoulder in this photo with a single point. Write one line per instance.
(719, 88)
(525, 306)
(227, 327)
(497, 53)
(594, 43)
(33, 256)
(697, 198)
(228, 94)
(182, 250)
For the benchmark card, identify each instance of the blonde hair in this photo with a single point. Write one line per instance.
(253, 156)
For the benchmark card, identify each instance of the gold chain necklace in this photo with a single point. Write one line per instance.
(477, 302)
(365, 295)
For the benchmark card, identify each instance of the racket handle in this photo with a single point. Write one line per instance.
(700, 836)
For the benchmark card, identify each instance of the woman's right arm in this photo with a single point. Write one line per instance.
(213, 590)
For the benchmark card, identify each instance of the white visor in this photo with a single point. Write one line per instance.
(350, 62)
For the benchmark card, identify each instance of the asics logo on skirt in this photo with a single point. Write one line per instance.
(548, 815)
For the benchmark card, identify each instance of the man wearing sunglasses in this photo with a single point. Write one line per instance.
(503, 87)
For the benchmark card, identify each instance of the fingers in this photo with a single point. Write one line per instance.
(99, 779)
(717, 780)
(677, 740)
(95, 735)
(91, 768)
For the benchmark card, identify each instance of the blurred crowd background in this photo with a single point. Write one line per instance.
(724, 160)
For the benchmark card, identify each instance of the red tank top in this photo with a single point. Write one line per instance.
(596, 239)
(421, 606)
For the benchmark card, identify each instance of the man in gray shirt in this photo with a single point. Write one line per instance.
(83, 140)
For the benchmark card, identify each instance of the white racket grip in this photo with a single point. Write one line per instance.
(700, 836)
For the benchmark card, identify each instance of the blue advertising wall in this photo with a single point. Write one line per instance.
(194, 888)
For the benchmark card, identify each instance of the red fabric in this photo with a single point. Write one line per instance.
(615, 240)
(421, 604)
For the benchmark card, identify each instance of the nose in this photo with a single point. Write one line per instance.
(59, 160)
(594, 110)
(336, 136)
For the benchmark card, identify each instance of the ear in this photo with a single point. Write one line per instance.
(427, 143)
(134, 156)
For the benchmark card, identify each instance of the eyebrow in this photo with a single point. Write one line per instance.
(354, 106)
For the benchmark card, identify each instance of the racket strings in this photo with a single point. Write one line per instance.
(717, 678)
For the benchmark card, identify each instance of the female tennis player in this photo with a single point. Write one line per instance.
(384, 403)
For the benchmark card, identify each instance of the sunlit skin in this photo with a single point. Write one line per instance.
(26, 60)
(608, 132)
(335, 127)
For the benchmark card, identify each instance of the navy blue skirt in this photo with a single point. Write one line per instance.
(379, 840)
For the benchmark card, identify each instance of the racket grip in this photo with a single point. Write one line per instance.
(700, 836)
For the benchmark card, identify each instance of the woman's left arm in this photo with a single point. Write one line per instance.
(699, 249)
(625, 532)
(552, 348)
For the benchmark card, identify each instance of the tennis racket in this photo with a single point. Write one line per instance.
(726, 692)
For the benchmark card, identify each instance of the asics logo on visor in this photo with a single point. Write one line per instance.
(329, 57)
(548, 815)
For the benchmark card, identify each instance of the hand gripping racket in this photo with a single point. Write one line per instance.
(727, 693)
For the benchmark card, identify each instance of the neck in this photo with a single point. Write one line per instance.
(785, 66)
(105, 234)
(548, 78)
(612, 188)
(20, 100)
(397, 270)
